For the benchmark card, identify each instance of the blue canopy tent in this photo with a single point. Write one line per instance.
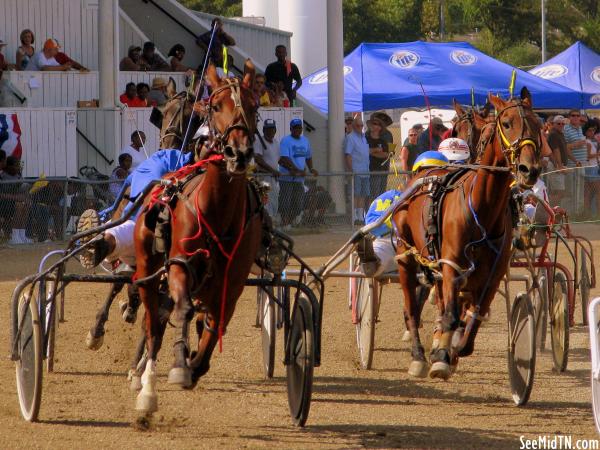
(380, 76)
(577, 68)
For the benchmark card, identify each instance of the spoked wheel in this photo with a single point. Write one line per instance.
(268, 323)
(540, 308)
(48, 293)
(559, 322)
(301, 360)
(28, 356)
(594, 330)
(521, 349)
(584, 287)
(366, 316)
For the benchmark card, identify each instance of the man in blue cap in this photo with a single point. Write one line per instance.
(295, 158)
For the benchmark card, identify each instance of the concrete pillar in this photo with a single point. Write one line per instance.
(108, 20)
(269, 9)
(307, 20)
(335, 91)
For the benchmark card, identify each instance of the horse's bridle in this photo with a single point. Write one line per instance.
(470, 118)
(238, 121)
(171, 130)
(512, 150)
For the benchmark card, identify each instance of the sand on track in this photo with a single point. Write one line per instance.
(87, 403)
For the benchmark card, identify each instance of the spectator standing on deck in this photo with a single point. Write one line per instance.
(63, 59)
(177, 53)
(46, 59)
(26, 50)
(143, 90)
(266, 155)
(296, 157)
(356, 151)
(285, 71)
(133, 60)
(436, 129)
(151, 59)
(130, 98)
(220, 40)
(136, 148)
(260, 90)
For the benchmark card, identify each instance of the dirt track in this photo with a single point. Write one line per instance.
(87, 403)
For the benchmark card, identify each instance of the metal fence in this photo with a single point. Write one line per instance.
(42, 210)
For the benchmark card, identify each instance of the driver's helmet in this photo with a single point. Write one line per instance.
(429, 159)
(455, 149)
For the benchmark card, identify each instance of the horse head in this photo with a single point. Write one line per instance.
(469, 125)
(517, 131)
(174, 117)
(232, 117)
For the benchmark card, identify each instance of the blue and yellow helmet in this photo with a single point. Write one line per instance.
(429, 159)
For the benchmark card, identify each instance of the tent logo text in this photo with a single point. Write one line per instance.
(404, 59)
(550, 71)
(595, 75)
(463, 58)
(595, 99)
(323, 76)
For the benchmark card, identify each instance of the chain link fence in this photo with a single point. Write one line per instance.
(42, 210)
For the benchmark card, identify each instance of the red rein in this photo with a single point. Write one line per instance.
(155, 198)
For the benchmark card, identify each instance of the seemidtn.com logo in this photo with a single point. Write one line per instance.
(558, 442)
(404, 59)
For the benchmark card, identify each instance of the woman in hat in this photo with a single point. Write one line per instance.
(157, 96)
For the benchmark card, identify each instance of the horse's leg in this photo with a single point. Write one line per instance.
(95, 336)
(179, 288)
(207, 328)
(407, 274)
(139, 361)
(130, 307)
(440, 358)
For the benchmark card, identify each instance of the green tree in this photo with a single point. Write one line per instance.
(225, 8)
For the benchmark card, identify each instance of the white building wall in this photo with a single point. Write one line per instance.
(269, 9)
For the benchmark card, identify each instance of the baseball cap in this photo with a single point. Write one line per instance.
(133, 48)
(149, 45)
(270, 123)
(558, 119)
(2, 43)
(295, 123)
(437, 122)
(50, 44)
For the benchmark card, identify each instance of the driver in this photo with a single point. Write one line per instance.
(456, 150)
(117, 242)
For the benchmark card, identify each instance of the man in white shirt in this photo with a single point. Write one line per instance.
(266, 156)
(135, 149)
(45, 60)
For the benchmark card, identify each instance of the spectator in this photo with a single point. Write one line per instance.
(10, 194)
(409, 151)
(436, 129)
(220, 40)
(356, 151)
(46, 59)
(157, 95)
(38, 217)
(130, 98)
(63, 59)
(285, 71)
(143, 90)
(120, 172)
(266, 155)
(558, 145)
(296, 156)
(577, 146)
(3, 63)
(592, 177)
(548, 125)
(317, 202)
(279, 98)
(136, 149)
(26, 50)
(133, 60)
(380, 140)
(177, 53)
(260, 91)
(348, 125)
(151, 59)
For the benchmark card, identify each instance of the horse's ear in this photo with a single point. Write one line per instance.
(457, 107)
(486, 110)
(496, 101)
(212, 77)
(171, 88)
(249, 71)
(526, 97)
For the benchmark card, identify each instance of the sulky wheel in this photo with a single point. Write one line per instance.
(539, 300)
(301, 360)
(27, 346)
(47, 292)
(521, 348)
(584, 286)
(594, 331)
(559, 322)
(268, 321)
(366, 306)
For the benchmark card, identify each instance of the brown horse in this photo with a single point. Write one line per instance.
(469, 125)
(214, 239)
(476, 232)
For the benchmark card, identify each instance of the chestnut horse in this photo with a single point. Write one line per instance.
(214, 239)
(469, 125)
(476, 232)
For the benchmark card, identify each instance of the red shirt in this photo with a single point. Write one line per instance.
(134, 102)
(62, 58)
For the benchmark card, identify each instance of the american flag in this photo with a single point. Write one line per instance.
(10, 135)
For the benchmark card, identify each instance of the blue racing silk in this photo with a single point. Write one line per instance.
(378, 207)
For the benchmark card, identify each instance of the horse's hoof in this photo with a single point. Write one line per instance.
(417, 369)
(129, 314)
(94, 343)
(435, 344)
(135, 380)
(181, 376)
(406, 336)
(441, 370)
(146, 403)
